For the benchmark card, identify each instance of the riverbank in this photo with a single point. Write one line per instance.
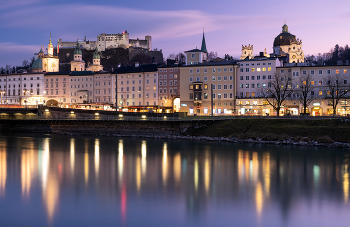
(305, 132)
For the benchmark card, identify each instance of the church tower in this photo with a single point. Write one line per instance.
(77, 64)
(50, 48)
(96, 65)
(247, 51)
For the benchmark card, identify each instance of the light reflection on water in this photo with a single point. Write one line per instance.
(131, 182)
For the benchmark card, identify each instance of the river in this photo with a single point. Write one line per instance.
(52, 180)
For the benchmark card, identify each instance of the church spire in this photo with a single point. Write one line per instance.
(204, 46)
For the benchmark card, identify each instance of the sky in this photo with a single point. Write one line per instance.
(175, 26)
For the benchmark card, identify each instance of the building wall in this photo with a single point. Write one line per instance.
(57, 88)
(139, 89)
(81, 89)
(22, 89)
(103, 88)
(197, 100)
(169, 86)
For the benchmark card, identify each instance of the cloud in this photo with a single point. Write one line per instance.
(10, 53)
(5, 4)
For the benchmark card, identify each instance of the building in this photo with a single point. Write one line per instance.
(319, 97)
(208, 87)
(109, 41)
(96, 63)
(46, 62)
(22, 89)
(286, 44)
(57, 89)
(196, 56)
(252, 76)
(78, 64)
(169, 88)
(137, 88)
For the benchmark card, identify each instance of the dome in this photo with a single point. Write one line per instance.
(284, 38)
(37, 64)
(77, 49)
(96, 55)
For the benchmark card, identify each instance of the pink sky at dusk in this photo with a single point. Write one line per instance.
(174, 27)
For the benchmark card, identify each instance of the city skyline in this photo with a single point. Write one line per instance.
(175, 27)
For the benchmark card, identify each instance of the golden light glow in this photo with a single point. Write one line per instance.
(240, 165)
(3, 171)
(45, 162)
(195, 177)
(207, 171)
(165, 162)
(346, 184)
(72, 155)
(138, 174)
(97, 157)
(255, 169)
(259, 198)
(120, 158)
(51, 194)
(86, 167)
(143, 157)
(267, 174)
(177, 168)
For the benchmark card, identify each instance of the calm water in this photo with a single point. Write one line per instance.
(48, 180)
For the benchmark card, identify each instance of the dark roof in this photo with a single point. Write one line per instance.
(141, 68)
(283, 39)
(57, 73)
(194, 50)
(210, 63)
(81, 73)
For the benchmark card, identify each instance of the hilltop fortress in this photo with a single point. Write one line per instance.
(109, 41)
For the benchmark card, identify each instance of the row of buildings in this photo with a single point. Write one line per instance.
(198, 87)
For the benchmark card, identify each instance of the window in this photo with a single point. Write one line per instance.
(258, 85)
(213, 70)
(231, 86)
(205, 86)
(241, 85)
(231, 77)
(264, 77)
(192, 56)
(337, 71)
(345, 71)
(225, 86)
(213, 78)
(241, 77)
(219, 78)
(246, 77)
(312, 72)
(328, 71)
(269, 77)
(198, 70)
(252, 77)
(241, 70)
(269, 69)
(253, 70)
(205, 95)
(191, 95)
(320, 93)
(282, 70)
(258, 69)
(225, 69)
(205, 78)
(320, 71)
(191, 79)
(219, 70)
(198, 78)
(345, 81)
(205, 70)
(225, 95)
(219, 86)
(246, 85)
(225, 77)
(247, 70)
(257, 77)
(312, 92)
(219, 96)
(191, 71)
(312, 82)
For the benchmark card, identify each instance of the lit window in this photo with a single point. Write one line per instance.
(345, 71)
(269, 69)
(312, 82)
(253, 69)
(258, 69)
(320, 93)
(337, 71)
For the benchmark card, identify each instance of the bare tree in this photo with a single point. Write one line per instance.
(171, 56)
(25, 63)
(304, 91)
(337, 89)
(181, 57)
(212, 55)
(278, 89)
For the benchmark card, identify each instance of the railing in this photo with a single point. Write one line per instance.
(218, 117)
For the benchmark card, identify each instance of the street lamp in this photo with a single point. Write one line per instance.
(2, 92)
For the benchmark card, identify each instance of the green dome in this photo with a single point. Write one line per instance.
(77, 49)
(37, 64)
(96, 55)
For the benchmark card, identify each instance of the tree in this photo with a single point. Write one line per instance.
(181, 57)
(212, 55)
(304, 91)
(25, 63)
(228, 57)
(279, 88)
(171, 56)
(337, 89)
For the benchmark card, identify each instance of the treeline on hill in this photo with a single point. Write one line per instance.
(336, 54)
